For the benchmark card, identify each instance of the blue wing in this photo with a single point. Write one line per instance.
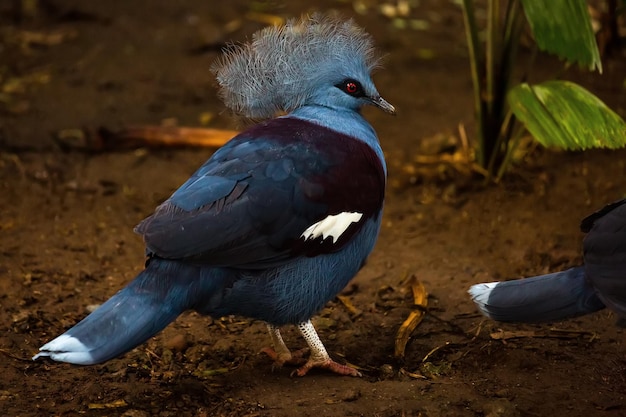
(250, 203)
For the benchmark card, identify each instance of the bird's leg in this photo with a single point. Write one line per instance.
(319, 356)
(280, 353)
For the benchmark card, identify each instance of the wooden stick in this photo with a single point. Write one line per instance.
(167, 136)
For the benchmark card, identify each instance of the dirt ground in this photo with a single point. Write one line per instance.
(66, 220)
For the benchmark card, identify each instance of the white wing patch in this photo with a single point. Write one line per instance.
(333, 225)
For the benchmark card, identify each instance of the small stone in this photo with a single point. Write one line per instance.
(503, 393)
(351, 395)
(386, 371)
(135, 413)
(176, 343)
(500, 408)
(92, 307)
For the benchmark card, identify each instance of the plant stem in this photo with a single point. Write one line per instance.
(475, 56)
(491, 111)
(501, 122)
(492, 56)
(514, 23)
(501, 141)
(512, 145)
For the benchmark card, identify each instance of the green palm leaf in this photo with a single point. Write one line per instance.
(565, 115)
(563, 27)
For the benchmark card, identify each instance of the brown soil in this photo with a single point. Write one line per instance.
(66, 239)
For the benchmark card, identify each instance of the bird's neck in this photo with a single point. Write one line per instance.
(346, 121)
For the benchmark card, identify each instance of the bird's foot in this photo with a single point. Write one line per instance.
(295, 358)
(326, 363)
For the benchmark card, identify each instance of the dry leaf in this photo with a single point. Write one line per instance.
(102, 406)
(420, 300)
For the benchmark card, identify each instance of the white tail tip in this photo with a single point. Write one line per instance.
(480, 294)
(66, 349)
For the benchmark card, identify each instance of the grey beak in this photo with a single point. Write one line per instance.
(384, 105)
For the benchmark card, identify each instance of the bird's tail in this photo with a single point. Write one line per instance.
(150, 302)
(543, 298)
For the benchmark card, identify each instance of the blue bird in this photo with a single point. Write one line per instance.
(600, 282)
(278, 220)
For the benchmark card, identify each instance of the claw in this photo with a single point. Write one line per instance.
(329, 364)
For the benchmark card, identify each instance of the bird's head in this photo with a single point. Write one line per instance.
(317, 60)
(349, 92)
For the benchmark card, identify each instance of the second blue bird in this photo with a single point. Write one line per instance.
(600, 282)
(278, 220)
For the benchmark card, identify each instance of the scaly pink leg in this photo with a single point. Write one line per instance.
(319, 356)
(280, 353)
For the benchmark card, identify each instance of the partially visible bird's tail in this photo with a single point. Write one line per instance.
(150, 302)
(543, 298)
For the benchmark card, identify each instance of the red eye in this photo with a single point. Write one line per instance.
(351, 87)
